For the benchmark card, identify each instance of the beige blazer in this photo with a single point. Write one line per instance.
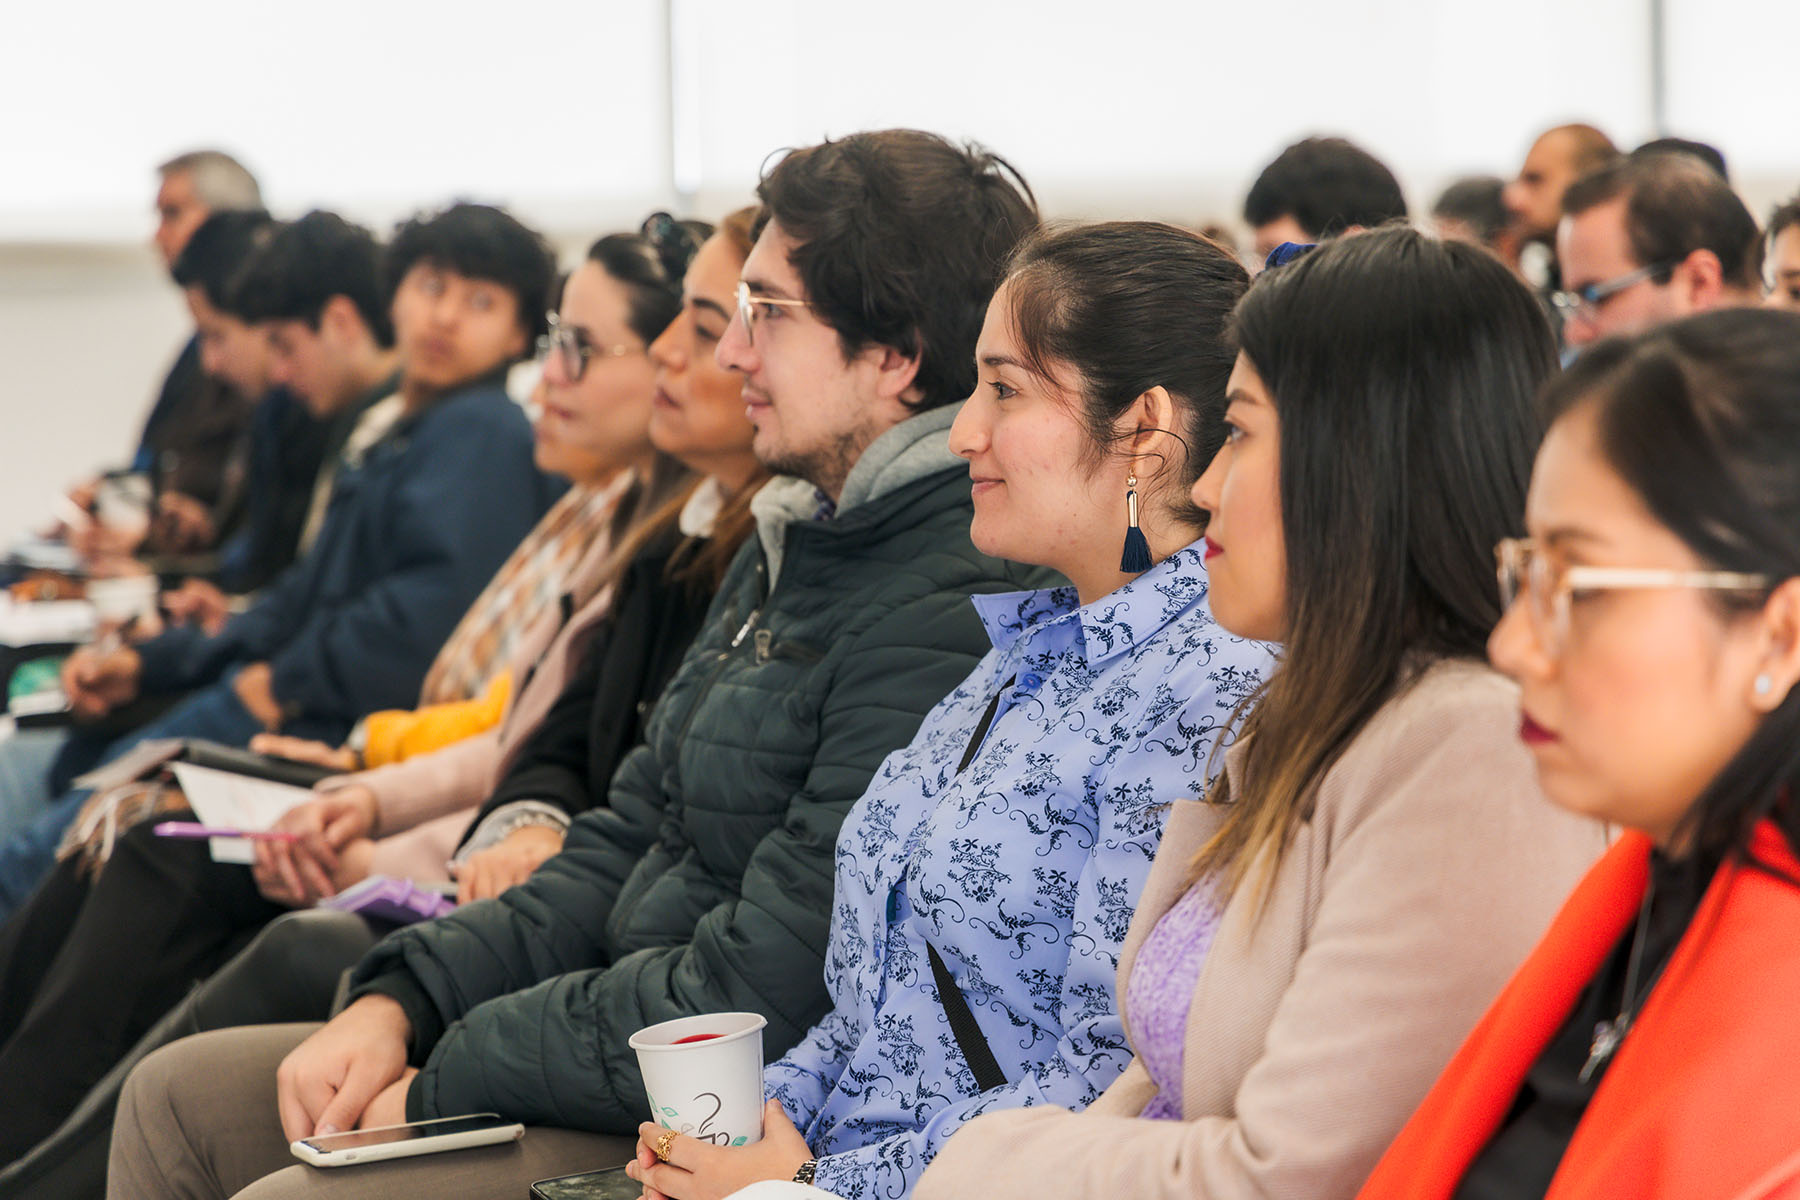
(1430, 867)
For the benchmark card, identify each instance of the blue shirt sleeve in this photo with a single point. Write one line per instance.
(1092, 1050)
(803, 1077)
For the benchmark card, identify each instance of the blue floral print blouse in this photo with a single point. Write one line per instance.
(1022, 870)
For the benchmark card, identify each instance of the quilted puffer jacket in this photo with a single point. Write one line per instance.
(705, 883)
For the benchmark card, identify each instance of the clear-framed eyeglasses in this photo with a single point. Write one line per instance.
(750, 307)
(1524, 570)
(1584, 302)
(573, 350)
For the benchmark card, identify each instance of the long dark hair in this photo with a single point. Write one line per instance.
(1701, 418)
(1132, 305)
(650, 264)
(1404, 371)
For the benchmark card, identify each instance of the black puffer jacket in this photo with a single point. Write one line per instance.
(706, 882)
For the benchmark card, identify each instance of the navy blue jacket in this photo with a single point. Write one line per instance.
(412, 536)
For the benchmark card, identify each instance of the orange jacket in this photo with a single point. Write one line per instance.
(1702, 1101)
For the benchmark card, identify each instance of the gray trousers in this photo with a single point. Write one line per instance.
(198, 1119)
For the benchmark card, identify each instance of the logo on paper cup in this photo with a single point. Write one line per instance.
(702, 1132)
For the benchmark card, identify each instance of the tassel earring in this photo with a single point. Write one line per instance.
(1136, 559)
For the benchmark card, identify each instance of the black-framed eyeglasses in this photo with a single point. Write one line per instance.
(573, 350)
(1585, 301)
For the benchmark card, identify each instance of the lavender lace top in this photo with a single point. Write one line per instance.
(1161, 991)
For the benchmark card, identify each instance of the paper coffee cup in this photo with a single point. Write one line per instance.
(704, 1075)
(122, 503)
(122, 597)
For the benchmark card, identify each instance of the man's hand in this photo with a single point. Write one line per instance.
(307, 751)
(199, 603)
(328, 1081)
(182, 523)
(331, 853)
(507, 863)
(255, 688)
(100, 678)
(389, 1108)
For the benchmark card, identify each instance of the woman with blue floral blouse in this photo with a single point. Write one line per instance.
(1015, 831)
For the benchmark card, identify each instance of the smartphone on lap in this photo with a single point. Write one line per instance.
(403, 1141)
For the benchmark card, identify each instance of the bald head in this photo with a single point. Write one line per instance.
(1558, 158)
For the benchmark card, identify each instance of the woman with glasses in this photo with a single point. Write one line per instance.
(1322, 929)
(1647, 1047)
(108, 944)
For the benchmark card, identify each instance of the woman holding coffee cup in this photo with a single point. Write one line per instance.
(984, 881)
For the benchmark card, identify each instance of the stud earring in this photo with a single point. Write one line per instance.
(1763, 685)
(1136, 558)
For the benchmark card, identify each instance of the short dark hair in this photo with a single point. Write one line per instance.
(650, 265)
(1129, 306)
(1704, 152)
(479, 241)
(1327, 185)
(219, 250)
(1475, 200)
(902, 236)
(1675, 205)
(1698, 418)
(305, 264)
(1784, 215)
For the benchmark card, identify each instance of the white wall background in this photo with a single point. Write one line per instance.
(584, 114)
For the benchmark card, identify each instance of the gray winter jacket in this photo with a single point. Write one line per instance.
(705, 883)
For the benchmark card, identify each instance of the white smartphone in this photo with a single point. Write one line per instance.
(404, 1141)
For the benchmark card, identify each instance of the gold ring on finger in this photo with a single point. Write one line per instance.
(662, 1144)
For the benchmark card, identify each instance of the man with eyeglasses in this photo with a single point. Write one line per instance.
(1648, 240)
(704, 882)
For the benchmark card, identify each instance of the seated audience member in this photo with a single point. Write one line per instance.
(1558, 158)
(36, 764)
(315, 293)
(1784, 257)
(410, 537)
(590, 587)
(598, 390)
(190, 431)
(704, 881)
(1646, 1047)
(1008, 839)
(1319, 188)
(1649, 240)
(1321, 930)
(1472, 210)
(1711, 155)
(234, 360)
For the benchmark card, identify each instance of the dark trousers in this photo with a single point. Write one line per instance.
(86, 967)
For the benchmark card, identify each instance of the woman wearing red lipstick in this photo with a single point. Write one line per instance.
(1647, 1048)
(1375, 858)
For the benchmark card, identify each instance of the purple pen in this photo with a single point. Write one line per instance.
(190, 829)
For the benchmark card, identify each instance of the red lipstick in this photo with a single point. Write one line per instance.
(1533, 734)
(1213, 548)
